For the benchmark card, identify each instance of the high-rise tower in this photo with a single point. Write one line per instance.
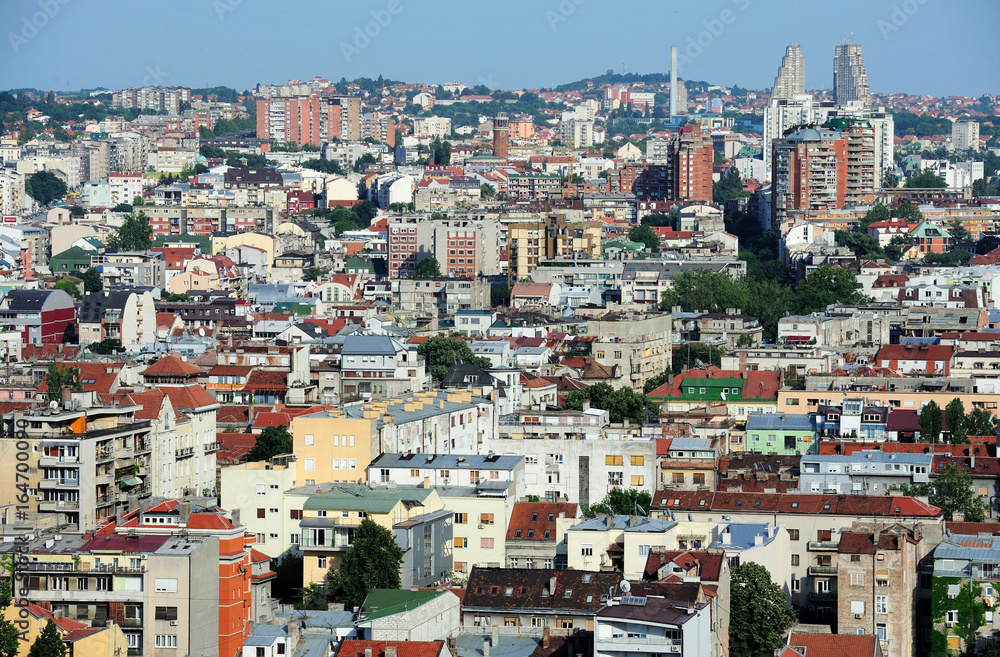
(791, 78)
(501, 135)
(850, 81)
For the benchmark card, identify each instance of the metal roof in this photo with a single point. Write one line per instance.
(447, 461)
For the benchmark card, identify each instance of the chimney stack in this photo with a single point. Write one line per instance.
(184, 512)
(390, 651)
(368, 651)
(486, 647)
(545, 637)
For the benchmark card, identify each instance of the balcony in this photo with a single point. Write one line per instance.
(55, 461)
(132, 622)
(143, 446)
(55, 506)
(57, 483)
(823, 546)
(822, 570)
(104, 455)
(184, 452)
(823, 596)
(211, 448)
(82, 567)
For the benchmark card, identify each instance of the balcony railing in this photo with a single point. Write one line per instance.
(82, 567)
(211, 448)
(184, 452)
(58, 482)
(56, 505)
(822, 570)
(822, 546)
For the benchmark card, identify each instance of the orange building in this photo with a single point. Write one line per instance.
(692, 159)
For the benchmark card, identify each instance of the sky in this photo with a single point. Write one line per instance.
(935, 47)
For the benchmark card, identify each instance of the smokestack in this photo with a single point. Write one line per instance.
(673, 82)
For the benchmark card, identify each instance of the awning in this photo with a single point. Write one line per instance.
(131, 481)
(798, 338)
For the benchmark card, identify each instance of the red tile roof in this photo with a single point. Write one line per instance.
(235, 447)
(48, 351)
(834, 645)
(125, 544)
(709, 564)
(171, 365)
(914, 352)
(151, 402)
(209, 520)
(355, 648)
(974, 528)
(233, 415)
(190, 397)
(521, 519)
(65, 624)
(851, 505)
(267, 380)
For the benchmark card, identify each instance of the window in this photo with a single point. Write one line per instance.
(795, 559)
(461, 542)
(485, 518)
(309, 439)
(616, 478)
(881, 604)
(698, 478)
(261, 513)
(952, 617)
(512, 562)
(643, 550)
(529, 563)
(822, 586)
(321, 562)
(295, 514)
(166, 585)
(678, 477)
(486, 543)
(587, 549)
(637, 460)
(461, 518)
(261, 489)
(795, 585)
(857, 606)
(310, 465)
(166, 641)
(81, 583)
(857, 579)
(637, 480)
(613, 460)
(166, 613)
(880, 631)
(793, 534)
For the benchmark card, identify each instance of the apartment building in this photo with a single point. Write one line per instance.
(39, 316)
(125, 315)
(437, 127)
(652, 626)
(809, 171)
(86, 464)
(258, 490)
(379, 367)
(343, 450)
(963, 577)
(464, 248)
(639, 345)
(480, 522)
(620, 543)
(965, 135)
(535, 534)
(125, 186)
(558, 236)
(440, 296)
(532, 186)
(161, 99)
(294, 120)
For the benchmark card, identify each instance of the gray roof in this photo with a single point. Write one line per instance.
(32, 300)
(470, 644)
(972, 548)
(691, 445)
(447, 461)
(625, 523)
(872, 456)
(439, 405)
(784, 421)
(95, 304)
(313, 645)
(264, 635)
(368, 345)
(742, 536)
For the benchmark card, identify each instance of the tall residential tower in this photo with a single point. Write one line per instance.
(850, 81)
(791, 78)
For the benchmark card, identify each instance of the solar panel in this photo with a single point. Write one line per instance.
(634, 600)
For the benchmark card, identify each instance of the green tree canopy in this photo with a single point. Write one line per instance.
(623, 502)
(646, 235)
(657, 219)
(372, 563)
(69, 287)
(45, 187)
(981, 422)
(312, 273)
(487, 191)
(954, 415)
(441, 352)
(9, 633)
(135, 234)
(759, 614)
(622, 404)
(271, 442)
(925, 178)
(930, 422)
(106, 347)
(427, 268)
(57, 377)
(324, 166)
(92, 280)
(952, 491)
(49, 643)
(907, 211)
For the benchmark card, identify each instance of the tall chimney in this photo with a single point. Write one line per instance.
(486, 647)
(673, 81)
(183, 512)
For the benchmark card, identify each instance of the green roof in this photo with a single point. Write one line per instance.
(928, 229)
(362, 498)
(386, 602)
(359, 263)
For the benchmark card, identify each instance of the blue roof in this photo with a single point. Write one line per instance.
(786, 421)
(742, 536)
(872, 456)
(487, 313)
(691, 445)
(625, 523)
(972, 548)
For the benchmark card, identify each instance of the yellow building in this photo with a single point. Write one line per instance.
(330, 446)
(80, 640)
(558, 235)
(266, 243)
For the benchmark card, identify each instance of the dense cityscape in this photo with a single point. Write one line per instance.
(632, 366)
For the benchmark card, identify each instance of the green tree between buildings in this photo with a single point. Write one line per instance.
(312, 273)
(271, 442)
(646, 235)
(759, 614)
(135, 234)
(427, 268)
(106, 347)
(45, 187)
(441, 352)
(623, 502)
(951, 491)
(92, 280)
(622, 404)
(58, 377)
(9, 634)
(930, 422)
(954, 415)
(49, 643)
(69, 287)
(925, 178)
(372, 563)
(980, 422)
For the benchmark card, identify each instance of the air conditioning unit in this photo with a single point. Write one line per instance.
(858, 615)
(675, 648)
(482, 526)
(949, 624)
(173, 623)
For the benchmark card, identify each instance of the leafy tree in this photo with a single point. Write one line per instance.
(487, 191)
(138, 202)
(646, 235)
(954, 415)
(951, 491)
(313, 597)
(729, 187)
(907, 211)
(983, 188)
(92, 280)
(959, 233)
(271, 442)
(686, 356)
(745, 340)
(366, 158)
(45, 187)
(366, 212)
(372, 563)
(657, 219)
(759, 614)
(77, 211)
(287, 577)
(622, 404)
(878, 213)
(106, 347)
(178, 298)
(930, 422)
(312, 273)
(26, 135)
(441, 152)
(499, 296)
(826, 285)
(890, 180)
(862, 244)
(122, 207)
(980, 422)
(9, 635)
(58, 377)
(656, 381)
(324, 166)
(69, 287)
(427, 268)
(623, 502)
(135, 234)
(925, 178)
(441, 352)
(49, 643)
(987, 244)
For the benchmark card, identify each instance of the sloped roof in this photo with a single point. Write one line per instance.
(190, 397)
(356, 648)
(171, 365)
(833, 645)
(533, 518)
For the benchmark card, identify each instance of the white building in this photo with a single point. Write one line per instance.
(636, 626)
(124, 186)
(432, 126)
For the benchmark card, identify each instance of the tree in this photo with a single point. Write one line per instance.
(314, 597)
(959, 233)
(987, 244)
(178, 298)
(77, 211)
(135, 234)
(907, 211)
(826, 285)
(952, 491)
(106, 347)
(441, 352)
(372, 563)
(646, 235)
(925, 178)
(656, 381)
(138, 202)
(69, 287)
(9, 634)
(623, 404)
(324, 166)
(499, 296)
(122, 207)
(890, 180)
(271, 442)
(657, 219)
(759, 614)
(59, 377)
(45, 187)
(487, 191)
(287, 577)
(427, 268)
(623, 502)
(980, 422)
(878, 213)
(729, 187)
(49, 643)
(366, 212)
(441, 151)
(367, 158)
(954, 415)
(312, 273)
(92, 280)
(930, 422)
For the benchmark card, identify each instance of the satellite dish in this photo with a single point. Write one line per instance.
(723, 395)
(53, 405)
(625, 586)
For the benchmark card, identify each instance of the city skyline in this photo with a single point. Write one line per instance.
(217, 45)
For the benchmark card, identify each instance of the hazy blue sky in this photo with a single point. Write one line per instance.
(933, 47)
